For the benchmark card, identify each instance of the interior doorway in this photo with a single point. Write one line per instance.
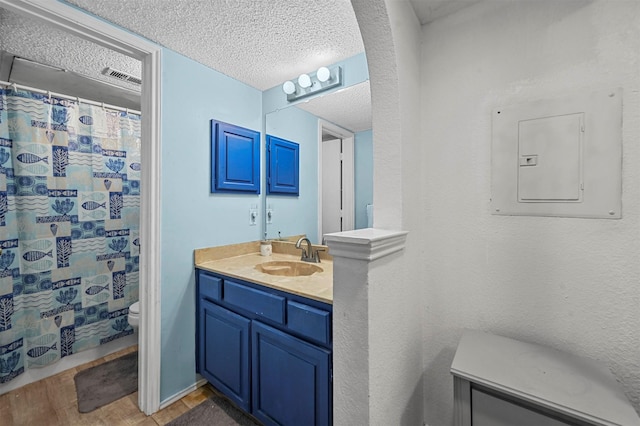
(335, 179)
(78, 23)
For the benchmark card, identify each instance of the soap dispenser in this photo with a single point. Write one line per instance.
(265, 248)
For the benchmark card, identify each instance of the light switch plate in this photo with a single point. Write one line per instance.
(559, 157)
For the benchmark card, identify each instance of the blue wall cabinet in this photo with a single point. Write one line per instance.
(283, 158)
(269, 351)
(224, 351)
(235, 158)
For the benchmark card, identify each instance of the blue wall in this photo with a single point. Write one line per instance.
(363, 175)
(192, 94)
(296, 215)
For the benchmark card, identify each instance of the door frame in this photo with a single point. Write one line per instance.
(87, 27)
(348, 183)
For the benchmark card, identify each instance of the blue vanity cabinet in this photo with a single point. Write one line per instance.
(224, 351)
(291, 379)
(269, 351)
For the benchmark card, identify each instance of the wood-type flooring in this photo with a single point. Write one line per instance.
(52, 401)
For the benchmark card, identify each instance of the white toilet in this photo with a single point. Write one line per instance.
(134, 316)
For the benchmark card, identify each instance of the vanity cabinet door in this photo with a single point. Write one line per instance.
(291, 379)
(224, 352)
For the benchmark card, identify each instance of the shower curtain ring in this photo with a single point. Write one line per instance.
(15, 87)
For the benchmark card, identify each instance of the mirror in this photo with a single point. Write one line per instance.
(336, 159)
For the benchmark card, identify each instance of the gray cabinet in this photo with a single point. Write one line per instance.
(505, 382)
(493, 410)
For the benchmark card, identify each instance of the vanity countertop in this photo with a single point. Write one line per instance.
(240, 261)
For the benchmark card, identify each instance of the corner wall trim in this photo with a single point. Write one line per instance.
(365, 244)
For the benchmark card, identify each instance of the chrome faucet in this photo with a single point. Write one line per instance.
(308, 255)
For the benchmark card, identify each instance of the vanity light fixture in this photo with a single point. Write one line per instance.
(304, 81)
(323, 74)
(324, 78)
(288, 87)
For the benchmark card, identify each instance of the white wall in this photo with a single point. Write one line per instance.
(393, 351)
(568, 283)
(395, 324)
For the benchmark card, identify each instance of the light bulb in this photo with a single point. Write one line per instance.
(323, 74)
(288, 87)
(304, 81)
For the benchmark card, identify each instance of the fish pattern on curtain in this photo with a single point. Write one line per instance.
(69, 227)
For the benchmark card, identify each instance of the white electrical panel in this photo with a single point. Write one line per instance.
(560, 157)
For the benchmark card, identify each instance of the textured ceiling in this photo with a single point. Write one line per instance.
(339, 107)
(260, 46)
(39, 43)
(429, 10)
(259, 42)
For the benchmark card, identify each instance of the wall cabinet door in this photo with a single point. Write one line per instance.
(224, 352)
(291, 379)
(283, 159)
(235, 158)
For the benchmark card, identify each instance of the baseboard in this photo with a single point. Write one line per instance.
(178, 396)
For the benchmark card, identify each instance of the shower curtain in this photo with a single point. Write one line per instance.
(69, 227)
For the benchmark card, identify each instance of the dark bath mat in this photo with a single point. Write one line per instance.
(104, 383)
(214, 411)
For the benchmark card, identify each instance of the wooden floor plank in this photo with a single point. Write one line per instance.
(123, 412)
(62, 389)
(148, 421)
(5, 408)
(171, 412)
(197, 396)
(72, 417)
(31, 405)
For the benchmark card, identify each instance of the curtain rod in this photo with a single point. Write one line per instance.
(72, 98)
